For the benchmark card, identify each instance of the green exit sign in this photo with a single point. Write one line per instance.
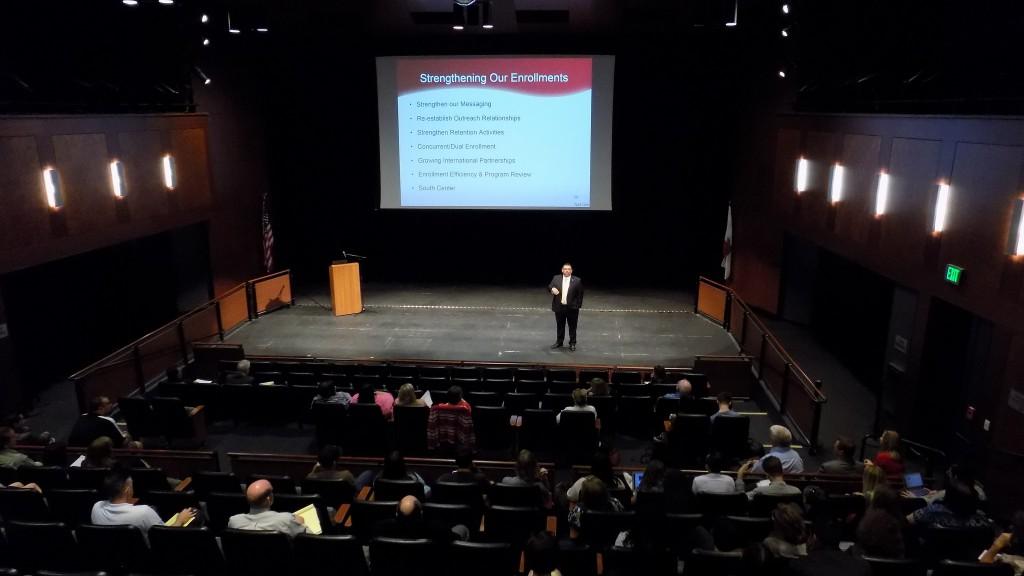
(954, 274)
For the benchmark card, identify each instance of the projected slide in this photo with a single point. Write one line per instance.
(494, 132)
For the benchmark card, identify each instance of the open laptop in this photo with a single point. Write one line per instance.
(915, 485)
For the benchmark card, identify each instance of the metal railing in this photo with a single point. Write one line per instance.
(797, 398)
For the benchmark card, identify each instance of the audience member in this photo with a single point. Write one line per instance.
(787, 538)
(888, 457)
(241, 375)
(781, 439)
(9, 457)
(880, 531)
(676, 498)
(99, 454)
(684, 390)
(714, 482)
(722, 536)
(958, 509)
(260, 495)
(541, 555)
(592, 495)
(465, 470)
(843, 462)
(528, 474)
(963, 472)
(598, 387)
(409, 524)
(326, 467)
(95, 423)
(394, 469)
(724, 406)
(659, 376)
(367, 395)
(119, 507)
(601, 467)
(654, 477)
(1008, 547)
(23, 434)
(872, 479)
(579, 404)
(407, 396)
(775, 485)
(326, 393)
(825, 557)
(450, 424)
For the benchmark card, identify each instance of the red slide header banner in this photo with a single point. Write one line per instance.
(542, 76)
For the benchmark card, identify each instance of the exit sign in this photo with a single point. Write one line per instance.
(954, 274)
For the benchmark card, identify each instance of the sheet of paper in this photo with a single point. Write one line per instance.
(312, 519)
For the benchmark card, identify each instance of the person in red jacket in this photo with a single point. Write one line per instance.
(888, 457)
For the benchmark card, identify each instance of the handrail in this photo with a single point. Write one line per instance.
(790, 370)
(269, 276)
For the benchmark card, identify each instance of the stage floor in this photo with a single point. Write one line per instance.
(489, 323)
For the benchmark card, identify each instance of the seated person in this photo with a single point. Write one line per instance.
(958, 509)
(775, 485)
(465, 470)
(888, 457)
(9, 457)
(654, 477)
(598, 387)
(394, 469)
(407, 396)
(592, 495)
(825, 557)
(409, 524)
(527, 474)
(1008, 547)
(260, 495)
(787, 538)
(541, 555)
(659, 376)
(724, 406)
(241, 374)
(579, 404)
(383, 399)
(714, 482)
(326, 466)
(95, 423)
(601, 467)
(450, 424)
(684, 390)
(880, 531)
(99, 454)
(843, 462)
(23, 433)
(327, 394)
(872, 479)
(119, 507)
(781, 439)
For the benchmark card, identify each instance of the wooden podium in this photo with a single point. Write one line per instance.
(346, 295)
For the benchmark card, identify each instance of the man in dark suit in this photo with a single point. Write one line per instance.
(566, 301)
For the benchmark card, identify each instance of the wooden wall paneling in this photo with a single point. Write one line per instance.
(820, 151)
(855, 212)
(24, 217)
(141, 152)
(189, 149)
(983, 187)
(83, 162)
(913, 175)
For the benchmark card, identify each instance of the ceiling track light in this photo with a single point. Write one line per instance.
(130, 2)
(785, 32)
(204, 18)
(202, 76)
(782, 73)
(485, 16)
(785, 8)
(166, 2)
(231, 29)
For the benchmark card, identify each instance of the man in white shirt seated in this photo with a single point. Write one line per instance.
(579, 404)
(120, 507)
(714, 482)
(260, 495)
(775, 485)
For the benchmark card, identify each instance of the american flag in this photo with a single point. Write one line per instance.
(268, 235)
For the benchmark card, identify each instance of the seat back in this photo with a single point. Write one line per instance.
(475, 558)
(47, 477)
(955, 568)
(491, 424)
(606, 408)
(578, 435)
(88, 478)
(555, 401)
(512, 495)
(714, 563)
(398, 557)
(117, 549)
(411, 429)
(312, 553)
(204, 483)
(599, 528)
(146, 479)
(329, 421)
(538, 431)
(634, 416)
(42, 546)
(221, 506)
(688, 439)
(729, 435)
(72, 506)
(764, 504)
(172, 420)
(366, 514)
(896, 566)
(256, 552)
(450, 515)
(23, 504)
(722, 504)
(477, 399)
(386, 489)
(518, 402)
(956, 543)
(469, 493)
(138, 415)
(751, 529)
(367, 434)
(512, 524)
(203, 556)
(333, 493)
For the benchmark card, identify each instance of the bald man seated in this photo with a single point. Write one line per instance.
(409, 524)
(260, 495)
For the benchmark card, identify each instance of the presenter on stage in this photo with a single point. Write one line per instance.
(566, 301)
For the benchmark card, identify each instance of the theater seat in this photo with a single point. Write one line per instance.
(451, 515)
(476, 558)
(204, 483)
(256, 552)
(332, 493)
(411, 429)
(186, 550)
(491, 424)
(962, 544)
(73, 507)
(512, 524)
(116, 549)
(146, 479)
(398, 557)
(953, 568)
(366, 514)
(729, 435)
(714, 563)
(537, 431)
(88, 478)
(751, 530)
(47, 477)
(520, 401)
(221, 506)
(329, 422)
(23, 504)
(722, 504)
(511, 495)
(43, 546)
(599, 528)
(385, 489)
(314, 553)
(764, 504)
(367, 433)
(896, 566)
(468, 493)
